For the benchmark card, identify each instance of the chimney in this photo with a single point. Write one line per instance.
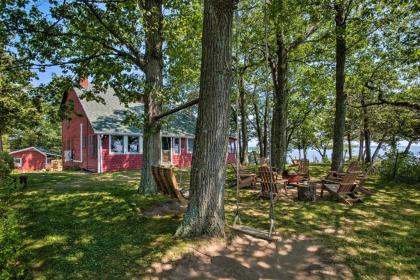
(84, 83)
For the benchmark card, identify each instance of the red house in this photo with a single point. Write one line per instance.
(32, 159)
(95, 136)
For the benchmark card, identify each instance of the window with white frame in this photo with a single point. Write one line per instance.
(17, 162)
(231, 147)
(190, 145)
(177, 146)
(116, 143)
(120, 144)
(133, 144)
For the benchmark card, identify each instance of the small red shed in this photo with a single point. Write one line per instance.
(32, 159)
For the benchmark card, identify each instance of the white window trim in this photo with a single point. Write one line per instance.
(125, 145)
(140, 145)
(188, 146)
(110, 146)
(173, 146)
(99, 139)
(20, 162)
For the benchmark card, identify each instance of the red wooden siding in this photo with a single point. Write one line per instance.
(119, 162)
(32, 160)
(184, 158)
(71, 136)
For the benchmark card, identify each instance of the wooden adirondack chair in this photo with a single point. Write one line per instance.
(303, 170)
(343, 190)
(270, 183)
(354, 167)
(166, 182)
(246, 178)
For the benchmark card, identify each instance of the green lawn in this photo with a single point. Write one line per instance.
(79, 225)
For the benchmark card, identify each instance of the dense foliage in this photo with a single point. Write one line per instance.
(400, 167)
(6, 165)
(10, 237)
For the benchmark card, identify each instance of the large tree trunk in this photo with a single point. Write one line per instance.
(244, 124)
(258, 129)
(205, 214)
(154, 82)
(279, 121)
(340, 99)
(361, 146)
(265, 137)
(366, 131)
(349, 146)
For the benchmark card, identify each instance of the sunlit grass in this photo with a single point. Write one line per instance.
(81, 225)
(379, 238)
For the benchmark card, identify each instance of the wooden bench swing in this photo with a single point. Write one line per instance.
(270, 187)
(166, 182)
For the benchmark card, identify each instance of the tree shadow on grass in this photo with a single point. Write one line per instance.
(88, 227)
(378, 238)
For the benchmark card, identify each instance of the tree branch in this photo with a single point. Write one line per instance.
(137, 57)
(179, 108)
(383, 101)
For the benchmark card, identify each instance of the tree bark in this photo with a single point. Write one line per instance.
(340, 100)
(153, 71)
(378, 148)
(349, 146)
(366, 131)
(258, 129)
(407, 149)
(279, 120)
(205, 213)
(1, 143)
(244, 124)
(361, 146)
(266, 127)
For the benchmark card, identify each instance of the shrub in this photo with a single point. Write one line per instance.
(6, 164)
(10, 246)
(404, 168)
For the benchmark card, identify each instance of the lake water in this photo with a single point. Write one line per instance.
(314, 156)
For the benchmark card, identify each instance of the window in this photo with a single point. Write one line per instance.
(133, 144)
(93, 146)
(120, 144)
(17, 162)
(177, 146)
(116, 144)
(190, 145)
(231, 147)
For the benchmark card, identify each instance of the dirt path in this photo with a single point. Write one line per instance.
(245, 257)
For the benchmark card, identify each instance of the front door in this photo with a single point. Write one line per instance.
(166, 149)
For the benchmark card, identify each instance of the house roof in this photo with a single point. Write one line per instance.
(109, 117)
(39, 149)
